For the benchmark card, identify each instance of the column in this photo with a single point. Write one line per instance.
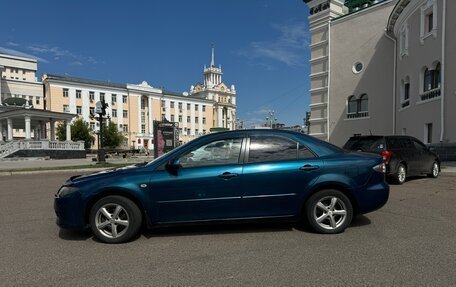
(10, 129)
(43, 131)
(200, 118)
(230, 120)
(27, 127)
(168, 110)
(139, 114)
(219, 116)
(52, 124)
(151, 131)
(68, 130)
(192, 119)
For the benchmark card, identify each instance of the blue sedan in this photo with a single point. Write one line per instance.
(228, 177)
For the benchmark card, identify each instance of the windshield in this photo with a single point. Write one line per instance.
(366, 144)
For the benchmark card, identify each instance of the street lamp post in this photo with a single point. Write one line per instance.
(271, 119)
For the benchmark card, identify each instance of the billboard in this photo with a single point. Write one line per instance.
(166, 137)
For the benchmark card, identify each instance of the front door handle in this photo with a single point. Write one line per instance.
(228, 175)
(309, 167)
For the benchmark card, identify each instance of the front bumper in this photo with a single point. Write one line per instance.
(69, 211)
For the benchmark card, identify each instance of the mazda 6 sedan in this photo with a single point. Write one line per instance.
(244, 175)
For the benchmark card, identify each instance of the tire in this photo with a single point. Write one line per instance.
(115, 219)
(401, 174)
(435, 170)
(328, 211)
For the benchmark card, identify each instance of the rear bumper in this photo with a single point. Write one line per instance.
(373, 196)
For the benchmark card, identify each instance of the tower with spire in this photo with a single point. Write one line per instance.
(214, 89)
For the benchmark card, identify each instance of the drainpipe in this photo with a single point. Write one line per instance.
(394, 79)
(442, 71)
(329, 77)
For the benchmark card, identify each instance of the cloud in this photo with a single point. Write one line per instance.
(288, 48)
(12, 44)
(77, 63)
(14, 52)
(263, 110)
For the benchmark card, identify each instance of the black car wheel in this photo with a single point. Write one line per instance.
(401, 174)
(115, 219)
(435, 170)
(329, 211)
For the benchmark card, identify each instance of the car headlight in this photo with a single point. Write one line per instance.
(66, 190)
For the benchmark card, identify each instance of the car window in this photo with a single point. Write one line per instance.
(394, 143)
(366, 144)
(219, 152)
(419, 146)
(304, 152)
(271, 148)
(407, 144)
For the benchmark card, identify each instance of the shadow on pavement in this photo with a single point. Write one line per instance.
(75, 235)
(359, 221)
(193, 230)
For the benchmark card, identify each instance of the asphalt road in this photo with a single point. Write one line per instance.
(410, 242)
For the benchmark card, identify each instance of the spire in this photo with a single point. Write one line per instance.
(212, 61)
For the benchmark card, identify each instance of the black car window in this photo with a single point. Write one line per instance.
(304, 152)
(219, 152)
(407, 144)
(419, 146)
(394, 143)
(271, 148)
(366, 144)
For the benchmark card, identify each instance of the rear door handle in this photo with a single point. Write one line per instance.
(309, 167)
(228, 175)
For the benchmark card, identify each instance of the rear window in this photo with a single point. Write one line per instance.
(366, 144)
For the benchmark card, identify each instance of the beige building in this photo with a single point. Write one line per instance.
(134, 107)
(378, 67)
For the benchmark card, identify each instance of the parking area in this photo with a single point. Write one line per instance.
(409, 242)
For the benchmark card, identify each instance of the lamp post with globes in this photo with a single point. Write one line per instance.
(271, 119)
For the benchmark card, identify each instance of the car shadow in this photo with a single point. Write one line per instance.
(360, 220)
(211, 229)
(75, 235)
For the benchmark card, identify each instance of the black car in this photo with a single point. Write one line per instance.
(403, 155)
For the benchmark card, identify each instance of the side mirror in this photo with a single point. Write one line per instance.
(173, 166)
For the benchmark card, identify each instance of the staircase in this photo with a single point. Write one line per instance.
(8, 148)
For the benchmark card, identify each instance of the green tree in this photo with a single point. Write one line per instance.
(112, 137)
(80, 131)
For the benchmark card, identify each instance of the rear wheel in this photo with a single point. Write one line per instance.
(329, 211)
(401, 174)
(115, 219)
(435, 171)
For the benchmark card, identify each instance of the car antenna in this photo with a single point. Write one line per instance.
(370, 132)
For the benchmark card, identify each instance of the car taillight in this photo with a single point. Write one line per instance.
(386, 155)
(380, 168)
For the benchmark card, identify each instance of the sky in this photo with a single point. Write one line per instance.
(262, 46)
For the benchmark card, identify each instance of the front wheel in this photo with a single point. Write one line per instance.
(401, 174)
(329, 211)
(435, 171)
(115, 219)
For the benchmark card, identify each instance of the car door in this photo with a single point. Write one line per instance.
(277, 170)
(424, 157)
(204, 187)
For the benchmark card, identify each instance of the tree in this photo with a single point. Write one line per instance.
(80, 131)
(112, 137)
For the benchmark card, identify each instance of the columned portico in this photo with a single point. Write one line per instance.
(220, 117)
(52, 124)
(10, 129)
(68, 130)
(27, 127)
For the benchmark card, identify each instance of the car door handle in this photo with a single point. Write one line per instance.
(228, 175)
(309, 167)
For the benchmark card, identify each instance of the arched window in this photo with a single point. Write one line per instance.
(436, 78)
(352, 105)
(363, 103)
(428, 79)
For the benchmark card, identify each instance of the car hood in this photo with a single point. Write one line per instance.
(108, 172)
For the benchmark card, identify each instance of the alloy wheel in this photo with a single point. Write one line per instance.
(112, 220)
(401, 174)
(330, 212)
(435, 169)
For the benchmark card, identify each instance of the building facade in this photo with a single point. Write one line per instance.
(378, 67)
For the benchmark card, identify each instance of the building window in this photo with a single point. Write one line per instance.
(172, 118)
(428, 76)
(196, 107)
(431, 82)
(196, 120)
(172, 105)
(403, 40)
(37, 100)
(78, 110)
(188, 119)
(78, 94)
(124, 99)
(125, 114)
(405, 92)
(125, 128)
(92, 126)
(188, 106)
(143, 128)
(204, 121)
(65, 93)
(428, 20)
(180, 119)
(113, 98)
(92, 111)
(428, 133)
(180, 106)
(114, 113)
(66, 108)
(102, 97)
(358, 108)
(91, 96)
(163, 103)
(143, 117)
(204, 108)
(163, 117)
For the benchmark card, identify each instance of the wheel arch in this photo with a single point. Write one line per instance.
(109, 192)
(347, 191)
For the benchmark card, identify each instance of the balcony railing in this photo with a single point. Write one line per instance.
(13, 146)
(434, 93)
(357, 115)
(405, 104)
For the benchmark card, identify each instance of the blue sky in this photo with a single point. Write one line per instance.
(261, 45)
